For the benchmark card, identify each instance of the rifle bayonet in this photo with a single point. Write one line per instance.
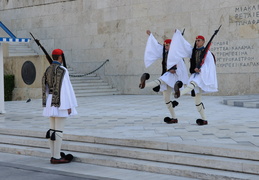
(43, 49)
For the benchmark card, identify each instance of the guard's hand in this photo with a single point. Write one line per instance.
(172, 71)
(197, 70)
(69, 111)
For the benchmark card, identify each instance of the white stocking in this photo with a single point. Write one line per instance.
(167, 97)
(154, 83)
(188, 88)
(57, 145)
(51, 143)
(200, 106)
(57, 124)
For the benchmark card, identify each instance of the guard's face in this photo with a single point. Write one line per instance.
(167, 47)
(199, 43)
(60, 59)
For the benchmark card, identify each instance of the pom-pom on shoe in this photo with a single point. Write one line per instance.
(174, 104)
(169, 120)
(62, 154)
(156, 89)
(201, 122)
(68, 157)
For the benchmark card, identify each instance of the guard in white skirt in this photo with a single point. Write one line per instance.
(172, 71)
(59, 102)
(203, 77)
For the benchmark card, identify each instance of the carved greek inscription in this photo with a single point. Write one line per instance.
(233, 55)
(245, 15)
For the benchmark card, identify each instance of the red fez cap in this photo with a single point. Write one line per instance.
(57, 52)
(200, 37)
(167, 41)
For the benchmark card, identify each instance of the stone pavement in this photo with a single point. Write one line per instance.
(141, 117)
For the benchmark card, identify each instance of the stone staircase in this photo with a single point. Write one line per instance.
(21, 49)
(187, 160)
(90, 85)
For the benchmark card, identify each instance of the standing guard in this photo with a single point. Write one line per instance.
(59, 102)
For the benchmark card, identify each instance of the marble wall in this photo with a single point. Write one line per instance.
(22, 90)
(91, 31)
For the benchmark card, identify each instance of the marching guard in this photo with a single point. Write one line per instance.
(203, 77)
(172, 71)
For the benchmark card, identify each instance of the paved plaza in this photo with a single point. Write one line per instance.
(141, 117)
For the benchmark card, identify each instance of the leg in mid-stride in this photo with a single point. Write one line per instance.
(199, 105)
(166, 94)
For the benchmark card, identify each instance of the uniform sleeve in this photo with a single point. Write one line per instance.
(153, 51)
(179, 49)
(67, 97)
(208, 72)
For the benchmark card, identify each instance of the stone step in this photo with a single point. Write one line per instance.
(22, 54)
(82, 77)
(238, 152)
(155, 161)
(94, 90)
(91, 85)
(196, 160)
(80, 81)
(97, 94)
(249, 101)
(14, 51)
(21, 49)
(86, 85)
(81, 170)
(73, 73)
(238, 160)
(242, 103)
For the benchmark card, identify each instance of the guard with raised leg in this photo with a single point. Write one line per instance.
(171, 72)
(203, 77)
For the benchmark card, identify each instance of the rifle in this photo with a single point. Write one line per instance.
(43, 49)
(183, 32)
(204, 54)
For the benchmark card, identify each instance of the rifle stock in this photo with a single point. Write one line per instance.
(43, 49)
